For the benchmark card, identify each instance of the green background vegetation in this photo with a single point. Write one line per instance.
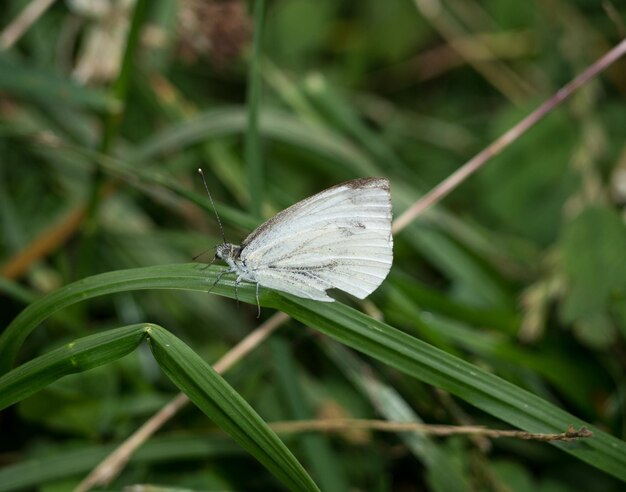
(506, 305)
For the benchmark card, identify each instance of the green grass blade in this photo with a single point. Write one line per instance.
(379, 340)
(16, 291)
(348, 120)
(67, 463)
(31, 82)
(80, 355)
(141, 176)
(325, 465)
(171, 277)
(575, 379)
(220, 402)
(277, 125)
(119, 89)
(187, 370)
(482, 389)
(253, 152)
(442, 473)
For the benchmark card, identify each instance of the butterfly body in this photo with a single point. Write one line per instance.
(231, 254)
(339, 238)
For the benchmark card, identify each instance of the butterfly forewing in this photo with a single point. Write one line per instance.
(339, 238)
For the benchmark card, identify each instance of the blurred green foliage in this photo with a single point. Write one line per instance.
(521, 271)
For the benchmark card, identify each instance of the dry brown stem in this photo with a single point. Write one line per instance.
(480, 159)
(342, 425)
(14, 31)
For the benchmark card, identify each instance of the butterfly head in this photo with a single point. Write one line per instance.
(227, 251)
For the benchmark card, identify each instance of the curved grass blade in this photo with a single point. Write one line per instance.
(486, 391)
(274, 124)
(193, 277)
(80, 355)
(252, 143)
(27, 81)
(482, 389)
(222, 404)
(442, 473)
(62, 463)
(207, 389)
(325, 465)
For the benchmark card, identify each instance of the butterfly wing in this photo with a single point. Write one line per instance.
(339, 238)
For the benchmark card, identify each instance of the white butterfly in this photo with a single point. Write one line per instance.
(339, 238)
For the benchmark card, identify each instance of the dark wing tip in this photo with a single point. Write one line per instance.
(372, 182)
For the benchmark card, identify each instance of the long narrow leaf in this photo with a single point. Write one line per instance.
(24, 80)
(253, 152)
(207, 389)
(65, 463)
(469, 382)
(222, 404)
(80, 355)
(277, 125)
(191, 277)
(323, 462)
(379, 340)
(442, 473)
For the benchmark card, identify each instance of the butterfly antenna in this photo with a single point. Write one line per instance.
(219, 222)
(203, 253)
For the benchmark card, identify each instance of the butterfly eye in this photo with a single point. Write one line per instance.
(222, 251)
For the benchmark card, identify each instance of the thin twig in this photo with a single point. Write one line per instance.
(50, 239)
(474, 164)
(45, 242)
(341, 425)
(113, 464)
(441, 59)
(14, 31)
(476, 53)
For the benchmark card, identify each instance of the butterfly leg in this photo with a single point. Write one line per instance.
(258, 305)
(237, 282)
(219, 276)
